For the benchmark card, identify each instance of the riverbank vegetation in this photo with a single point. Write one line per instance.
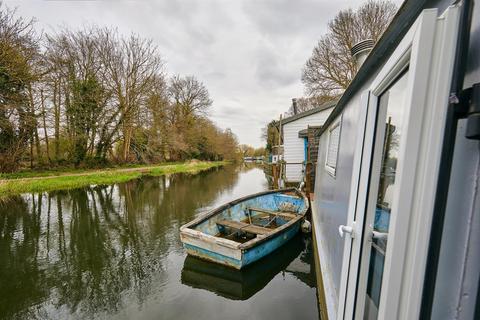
(32, 181)
(93, 97)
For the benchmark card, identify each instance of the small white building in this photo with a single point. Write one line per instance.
(276, 158)
(295, 147)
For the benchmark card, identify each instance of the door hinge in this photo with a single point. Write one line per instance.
(467, 106)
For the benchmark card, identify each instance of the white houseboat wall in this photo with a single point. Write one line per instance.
(295, 147)
(396, 209)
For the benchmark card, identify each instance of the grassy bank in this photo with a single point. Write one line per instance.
(57, 180)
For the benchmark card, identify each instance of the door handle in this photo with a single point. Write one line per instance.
(379, 235)
(342, 230)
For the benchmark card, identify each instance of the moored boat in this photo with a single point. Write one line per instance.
(247, 229)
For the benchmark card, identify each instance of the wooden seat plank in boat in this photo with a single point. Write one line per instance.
(250, 228)
(285, 215)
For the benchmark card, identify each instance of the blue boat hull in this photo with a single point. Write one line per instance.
(249, 256)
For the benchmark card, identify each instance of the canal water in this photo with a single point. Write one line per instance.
(113, 252)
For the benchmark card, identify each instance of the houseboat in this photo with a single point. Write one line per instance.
(396, 209)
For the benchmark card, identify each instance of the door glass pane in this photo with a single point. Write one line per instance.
(393, 100)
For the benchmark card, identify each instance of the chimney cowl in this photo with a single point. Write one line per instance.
(361, 50)
(294, 105)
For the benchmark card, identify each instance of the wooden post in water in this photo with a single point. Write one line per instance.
(275, 175)
(280, 131)
(280, 162)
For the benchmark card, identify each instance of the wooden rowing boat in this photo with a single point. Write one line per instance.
(247, 229)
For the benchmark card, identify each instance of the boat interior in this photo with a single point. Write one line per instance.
(253, 217)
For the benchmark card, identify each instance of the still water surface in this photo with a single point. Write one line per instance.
(113, 252)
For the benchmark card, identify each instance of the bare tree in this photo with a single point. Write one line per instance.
(152, 136)
(132, 64)
(331, 68)
(72, 57)
(189, 97)
(246, 150)
(189, 103)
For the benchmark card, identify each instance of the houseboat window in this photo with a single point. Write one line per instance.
(393, 100)
(332, 151)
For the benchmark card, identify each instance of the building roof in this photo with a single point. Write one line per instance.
(405, 17)
(300, 115)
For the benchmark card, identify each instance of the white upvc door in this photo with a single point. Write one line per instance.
(395, 172)
(355, 220)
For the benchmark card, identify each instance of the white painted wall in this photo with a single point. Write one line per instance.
(294, 146)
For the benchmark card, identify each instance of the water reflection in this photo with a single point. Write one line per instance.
(103, 251)
(243, 284)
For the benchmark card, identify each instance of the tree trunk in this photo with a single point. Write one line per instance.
(127, 137)
(31, 151)
(45, 126)
(33, 127)
(56, 107)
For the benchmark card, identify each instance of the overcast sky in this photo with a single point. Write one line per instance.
(249, 54)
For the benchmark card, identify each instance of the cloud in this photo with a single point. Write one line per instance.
(272, 69)
(286, 17)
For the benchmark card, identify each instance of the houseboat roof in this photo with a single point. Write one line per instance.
(401, 23)
(300, 115)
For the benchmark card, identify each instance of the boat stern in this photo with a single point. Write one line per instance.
(210, 248)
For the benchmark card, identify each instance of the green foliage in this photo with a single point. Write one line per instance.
(83, 112)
